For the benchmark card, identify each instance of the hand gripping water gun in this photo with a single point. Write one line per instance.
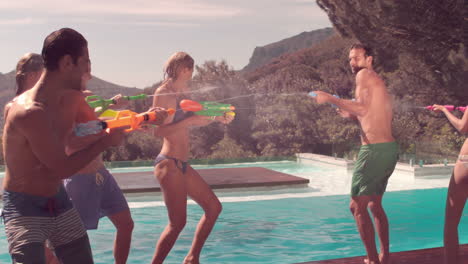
(315, 95)
(207, 108)
(96, 101)
(125, 118)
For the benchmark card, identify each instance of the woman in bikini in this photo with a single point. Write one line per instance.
(178, 180)
(457, 190)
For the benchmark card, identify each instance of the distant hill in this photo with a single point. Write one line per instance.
(108, 89)
(7, 87)
(98, 86)
(263, 55)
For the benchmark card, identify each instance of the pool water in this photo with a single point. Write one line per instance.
(288, 230)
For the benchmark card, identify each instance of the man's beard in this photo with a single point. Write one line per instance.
(356, 69)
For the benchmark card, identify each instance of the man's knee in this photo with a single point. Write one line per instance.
(358, 207)
(123, 221)
(375, 207)
(125, 225)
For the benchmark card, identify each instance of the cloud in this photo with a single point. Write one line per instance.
(172, 8)
(101, 21)
(20, 21)
(303, 2)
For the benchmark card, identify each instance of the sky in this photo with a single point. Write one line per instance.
(130, 40)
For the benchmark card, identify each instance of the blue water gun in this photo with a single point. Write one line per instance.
(315, 95)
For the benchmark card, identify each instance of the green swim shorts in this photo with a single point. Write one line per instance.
(373, 167)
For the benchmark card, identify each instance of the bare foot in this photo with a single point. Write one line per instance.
(366, 261)
(191, 260)
(384, 258)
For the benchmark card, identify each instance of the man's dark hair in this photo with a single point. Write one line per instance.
(57, 44)
(367, 50)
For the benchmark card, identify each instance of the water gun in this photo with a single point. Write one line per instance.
(315, 95)
(96, 101)
(125, 118)
(448, 107)
(451, 108)
(109, 113)
(207, 108)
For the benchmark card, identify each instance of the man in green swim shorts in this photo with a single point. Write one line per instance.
(378, 154)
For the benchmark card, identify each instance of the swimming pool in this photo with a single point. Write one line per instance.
(312, 225)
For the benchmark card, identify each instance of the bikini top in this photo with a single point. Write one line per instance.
(179, 114)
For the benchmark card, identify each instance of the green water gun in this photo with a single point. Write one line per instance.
(207, 108)
(99, 104)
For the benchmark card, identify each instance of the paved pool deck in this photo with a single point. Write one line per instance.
(223, 178)
(420, 256)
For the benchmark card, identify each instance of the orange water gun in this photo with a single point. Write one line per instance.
(125, 118)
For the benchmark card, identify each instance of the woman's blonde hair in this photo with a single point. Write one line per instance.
(30, 62)
(177, 61)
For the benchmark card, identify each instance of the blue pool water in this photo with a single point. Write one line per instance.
(282, 231)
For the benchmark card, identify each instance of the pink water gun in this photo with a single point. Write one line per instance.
(448, 107)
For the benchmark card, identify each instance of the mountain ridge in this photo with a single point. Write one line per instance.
(262, 55)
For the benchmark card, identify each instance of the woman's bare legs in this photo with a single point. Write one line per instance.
(456, 199)
(202, 194)
(173, 185)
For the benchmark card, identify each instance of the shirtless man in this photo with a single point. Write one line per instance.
(378, 154)
(35, 204)
(457, 190)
